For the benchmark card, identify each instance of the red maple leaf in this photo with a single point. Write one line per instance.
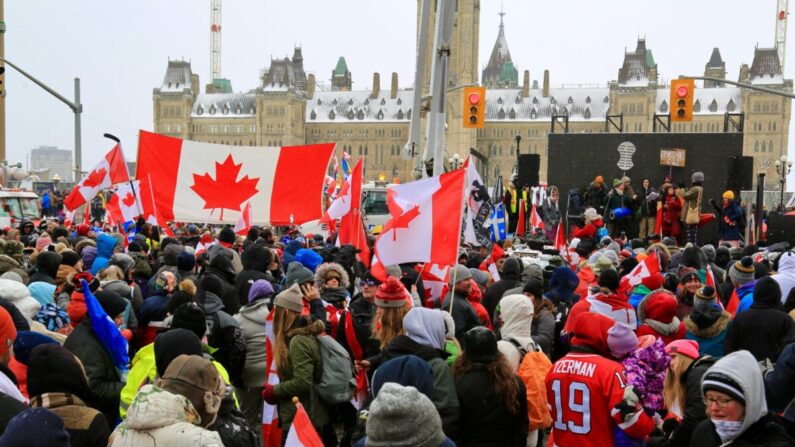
(128, 200)
(225, 191)
(94, 178)
(401, 221)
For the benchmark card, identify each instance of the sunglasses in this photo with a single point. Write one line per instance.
(367, 283)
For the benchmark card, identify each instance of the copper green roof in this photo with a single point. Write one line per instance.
(341, 67)
(649, 59)
(509, 75)
(222, 85)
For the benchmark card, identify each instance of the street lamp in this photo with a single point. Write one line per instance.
(783, 168)
(56, 179)
(455, 161)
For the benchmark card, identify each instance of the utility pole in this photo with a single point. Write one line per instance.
(416, 116)
(2, 82)
(435, 132)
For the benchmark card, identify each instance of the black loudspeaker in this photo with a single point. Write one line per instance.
(528, 170)
(781, 228)
(740, 174)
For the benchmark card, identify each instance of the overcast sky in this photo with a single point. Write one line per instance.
(120, 49)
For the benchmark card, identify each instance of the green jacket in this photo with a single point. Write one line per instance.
(144, 371)
(302, 371)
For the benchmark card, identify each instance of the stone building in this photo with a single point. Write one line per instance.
(290, 107)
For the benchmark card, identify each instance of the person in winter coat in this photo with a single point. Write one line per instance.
(358, 319)
(103, 377)
(647, 205)
(741, 274)
(46, 267)
(70, 265)
(707, 324)
(764, 327)
(126, 264)
(785, 273)
(618, 198)
(151, 315)
(671, 213)
(297, 361)
(475, 299)
(605, 301)
(223, 331)
(251, 319)
(689, 285)
(111, 279)
(56, 381)
(682, 391)
(589, 369)
(332, 282)
(596, 194)
(517, 313)
(657, 316)
(734, 395)
(392, 303)
(177, 410)
(543, 321)
(35, 427)
(425, 338)
(780, 386)
(550, 212)
(220, 268)
(510, 277)
(492, 399)
(693, 198)
(463, 313)
(105, 246)
(256, 261)
(729, 215)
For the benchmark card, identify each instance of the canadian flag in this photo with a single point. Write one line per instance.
(560, 241)
(435, 280)
(520, 224)
(302, 433)
(425, 224)
(535, 219)
(201, 182)
(244, 222)
(644, 269)
(271, 433)
(347, 208)
(110, 170)
(123, 205)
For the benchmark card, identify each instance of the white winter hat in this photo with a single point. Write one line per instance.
(19, 295)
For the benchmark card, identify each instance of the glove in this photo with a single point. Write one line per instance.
(269, 395)
(629, 404)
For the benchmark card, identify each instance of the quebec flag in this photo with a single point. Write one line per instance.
(498, 224)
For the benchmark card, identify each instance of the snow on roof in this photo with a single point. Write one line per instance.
(275, 87)
(177, 77)
(225, 105)
(775, 79)
(357, 106)
(581, 104)
(635, 82)
(707, 101)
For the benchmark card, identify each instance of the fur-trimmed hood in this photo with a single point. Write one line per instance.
(707, 322)
(323, 270)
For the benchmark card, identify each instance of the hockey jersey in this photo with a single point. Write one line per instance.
(582, 391)
(612, 306)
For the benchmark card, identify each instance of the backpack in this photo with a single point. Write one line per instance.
(336, 384)
(533, 368)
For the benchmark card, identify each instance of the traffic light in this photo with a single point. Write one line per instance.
(682, 92)
(474, 107)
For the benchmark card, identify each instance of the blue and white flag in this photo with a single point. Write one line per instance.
(498, 223)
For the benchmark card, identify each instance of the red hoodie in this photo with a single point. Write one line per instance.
(474, 297)
(610, 305)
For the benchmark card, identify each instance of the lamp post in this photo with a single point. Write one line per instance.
(783, 168)
(55, 180)
(518, 139)
(455, 161)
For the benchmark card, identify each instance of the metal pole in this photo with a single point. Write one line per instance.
(518, 140)
(743, 85)
(760, 203)
(3, 85)
(416, 116)
(78, 138)
(435, 134)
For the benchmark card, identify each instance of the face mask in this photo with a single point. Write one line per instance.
(727, 430)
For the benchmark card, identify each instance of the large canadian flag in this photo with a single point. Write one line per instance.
(189, 181)
(110, 170)
(644, 269)
(425, 224)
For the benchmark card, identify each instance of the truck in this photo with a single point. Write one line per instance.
(17, 205)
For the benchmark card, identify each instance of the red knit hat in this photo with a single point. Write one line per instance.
(687, 348)
(83, 229)
(654, 281)
(8, 333)
(391, 293)
(661, 306)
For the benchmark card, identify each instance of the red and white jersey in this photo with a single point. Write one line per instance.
(582, 390)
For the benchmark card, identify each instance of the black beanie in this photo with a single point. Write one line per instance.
(534, 287)
(134, 247)
(609, 279)
(70, 258)
(111, 303)
(480, 345)
(227, 235)
(189, 316)
(177, 299)
(768, 291)
(173, 343)
(54, 369)
(185, 261)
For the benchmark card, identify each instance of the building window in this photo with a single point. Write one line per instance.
(764, 146)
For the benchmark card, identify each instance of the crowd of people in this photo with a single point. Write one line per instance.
(571, 352)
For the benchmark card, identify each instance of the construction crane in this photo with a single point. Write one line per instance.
(782, 11)
(215, 39)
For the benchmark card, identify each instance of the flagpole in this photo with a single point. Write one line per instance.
(129, 180)
(462, 207)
